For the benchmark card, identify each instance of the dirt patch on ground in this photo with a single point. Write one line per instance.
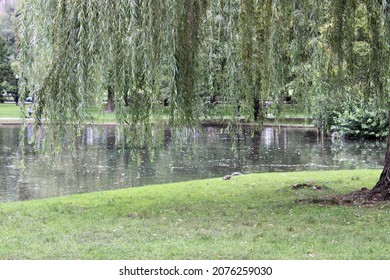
(363, 196)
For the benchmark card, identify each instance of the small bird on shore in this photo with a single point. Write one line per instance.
(228, 177)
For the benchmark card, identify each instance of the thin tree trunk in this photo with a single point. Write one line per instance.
(381, 191)
(110, 100)
(256, 109)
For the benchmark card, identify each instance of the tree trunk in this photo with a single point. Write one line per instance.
(110, 100)
(256, 109)
(381, 191)
(15, 96)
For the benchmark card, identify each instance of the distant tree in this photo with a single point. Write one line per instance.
(7, 77)
(8, 82)
(7, 31)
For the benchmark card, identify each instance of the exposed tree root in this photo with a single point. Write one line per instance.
(363, 196)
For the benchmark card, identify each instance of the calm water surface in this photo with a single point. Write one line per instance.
(98, 163)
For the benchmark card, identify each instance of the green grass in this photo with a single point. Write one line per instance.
(291, 116)
(103, 117)
(9, 110)
(248, 217)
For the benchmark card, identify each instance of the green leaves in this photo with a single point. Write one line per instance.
(359, 120)
(147, 54)
(7, 78)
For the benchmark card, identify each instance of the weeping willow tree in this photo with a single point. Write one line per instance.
(147, 54)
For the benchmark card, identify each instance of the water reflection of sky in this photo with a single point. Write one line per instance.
(192, 154)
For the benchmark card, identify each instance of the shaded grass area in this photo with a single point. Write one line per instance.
(291, 115)
(103, 117)
(254, 216)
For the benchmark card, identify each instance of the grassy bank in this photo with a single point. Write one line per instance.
(248, 217)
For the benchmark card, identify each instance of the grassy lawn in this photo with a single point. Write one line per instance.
(9, 110)
(104, 117)
(291, 116)
(248, 217)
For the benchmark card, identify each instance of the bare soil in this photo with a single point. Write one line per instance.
(363, 196)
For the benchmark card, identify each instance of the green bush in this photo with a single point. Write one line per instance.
(361, 121)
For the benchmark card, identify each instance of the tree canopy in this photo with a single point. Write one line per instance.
(7, 78)
(7, 54)
(187, 52)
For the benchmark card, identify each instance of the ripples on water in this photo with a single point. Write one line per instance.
(204, 153)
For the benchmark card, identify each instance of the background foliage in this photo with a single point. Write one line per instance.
(8, 63)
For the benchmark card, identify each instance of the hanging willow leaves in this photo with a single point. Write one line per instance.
(187, 40)
(379, 54)
(144, 55)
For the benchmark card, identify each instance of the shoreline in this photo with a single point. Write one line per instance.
(221, 123)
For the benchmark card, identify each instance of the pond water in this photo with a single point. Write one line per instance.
(98, 164)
